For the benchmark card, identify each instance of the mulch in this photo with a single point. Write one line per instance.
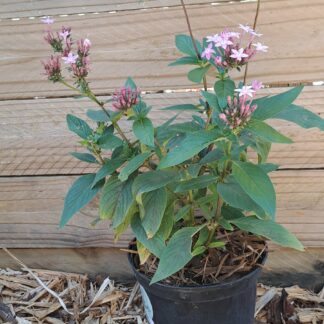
(44, 296)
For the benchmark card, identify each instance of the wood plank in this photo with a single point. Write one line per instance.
(30, 208)
(141, 43)
(283, 267)
(22, 9)
(35, 139)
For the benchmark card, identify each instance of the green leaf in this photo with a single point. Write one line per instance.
(183, 107)
(155, 245)
(203, 237)
(196, 75)
(130, 83)
(198, 250)
(78, 126)
(144, 131)
(116, 200)
(97, 115)
(196, 183)
(86, 157)
(223, 89)
(167, 223)
(133, 165)
(270, 230)
(109, 142)
(177, 253)
(152, 211)
(192, 144)
(266, 132)
(78, 196)
(213, 103)
(268, 107)
(182, 212)
(152, 180)
(212, 156)
(108, 168)
(216, 244)
(190, 60)
(185, 45)
(256, 183)
(300, 116)
(268, 167)
(233, 194)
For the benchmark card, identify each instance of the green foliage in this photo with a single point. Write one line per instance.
(78, 126)
(196, 75)
(78, 196)
(269, 229)
(144, 131)
(86, 157)
(223, 89)
(196, 183)
(177, 253)
(186, 60)
(185, 45)
(183, 107)
(109, 142)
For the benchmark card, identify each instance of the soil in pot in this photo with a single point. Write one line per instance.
(218, 288)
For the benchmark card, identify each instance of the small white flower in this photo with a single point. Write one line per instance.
(245, 91)
(260, 48)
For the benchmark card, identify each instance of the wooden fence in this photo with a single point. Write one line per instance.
(136, 38)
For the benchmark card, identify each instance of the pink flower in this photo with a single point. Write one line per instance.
(234, 34)
(70, 59)
(47, 20)
(207, 53)
(124, 98)
(257, 85)
(87, 43)
(246, 28)
(238, 54)
(218, 60)
(245, 91)
(53, 68)
(84, 47)
(213, 38)
(260, 48)
(65, 34)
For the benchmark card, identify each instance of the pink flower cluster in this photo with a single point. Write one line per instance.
(124, 98)
(61, 42)
(226, 49)
(239, 109)
(53, 68)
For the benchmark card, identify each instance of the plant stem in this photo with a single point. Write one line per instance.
(254, 26)
(92, 97)
(197, 53)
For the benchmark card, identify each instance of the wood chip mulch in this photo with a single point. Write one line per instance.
(44, 296)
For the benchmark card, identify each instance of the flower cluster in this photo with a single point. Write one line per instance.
(227, 51)
(53, 68)
(61, 42)
(124, 98)
(239, 109)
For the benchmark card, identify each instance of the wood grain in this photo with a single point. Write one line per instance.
(21, 9)
(35, 139)
(30, 209)
(141, 44)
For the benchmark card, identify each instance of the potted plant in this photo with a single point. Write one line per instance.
(197, 194)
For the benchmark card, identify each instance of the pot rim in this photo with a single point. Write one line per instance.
(221, 285)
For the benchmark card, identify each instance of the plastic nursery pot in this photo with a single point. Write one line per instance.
(232, 302)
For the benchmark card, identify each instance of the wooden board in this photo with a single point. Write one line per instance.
(21, 9)
(141, 44)
(35, 139)
(30, 209)
(283, 267)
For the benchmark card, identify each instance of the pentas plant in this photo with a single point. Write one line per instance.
(183, 187)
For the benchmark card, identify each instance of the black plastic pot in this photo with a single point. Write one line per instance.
(232, 302)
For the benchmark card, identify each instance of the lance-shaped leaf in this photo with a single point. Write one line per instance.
(144, 131)
(268, 107)
(78, 126)
(152, 210)
(185, 45)
(233, 194)
(177, 253)
(191, 145)
(301, 116)
(152, 180)
(155, 245)
(196, 75)
(86, 157)
(266, 132)
(116, 200)
(78, 196)
(109, 142)
(256, 183)
(183, 107)
(270, 230)
(133, 165)
(185, 60)
(196, 183)
(223, 89)
(130, 83)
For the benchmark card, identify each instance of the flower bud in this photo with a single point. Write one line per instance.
(124, 98)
